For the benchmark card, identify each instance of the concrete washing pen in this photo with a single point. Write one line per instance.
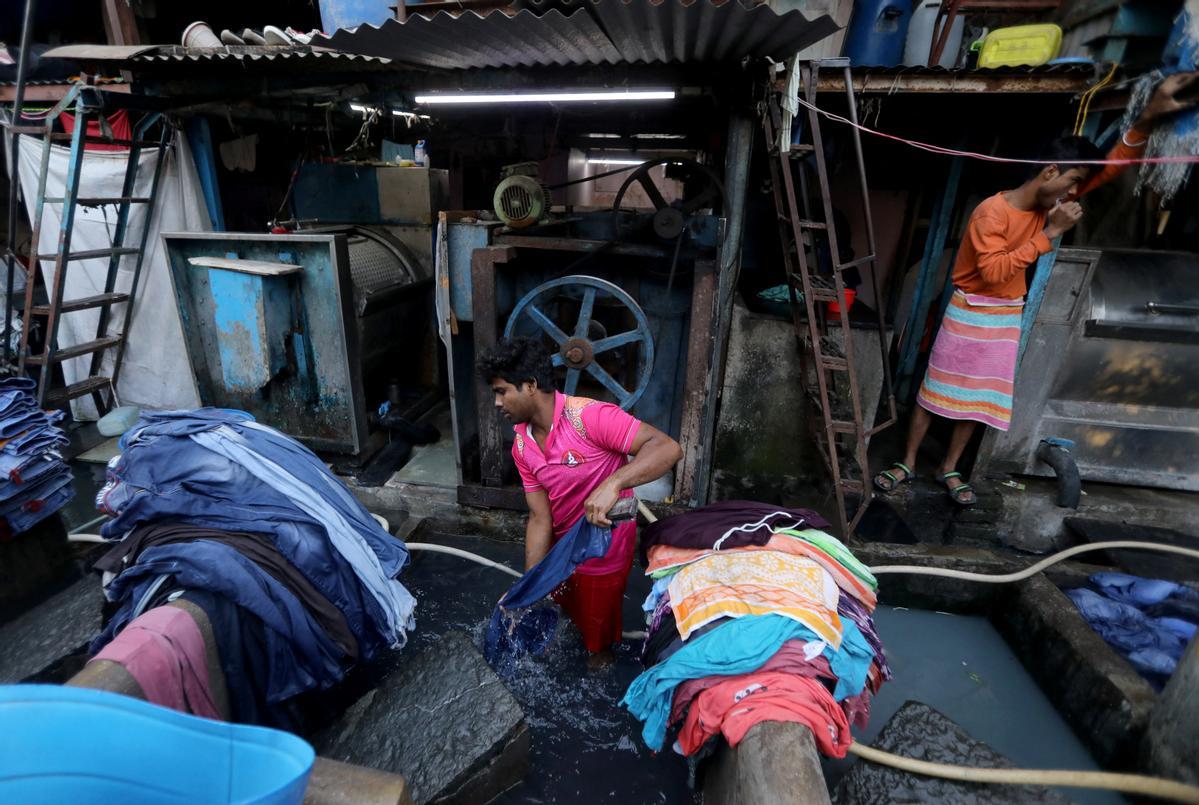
(1125, 783)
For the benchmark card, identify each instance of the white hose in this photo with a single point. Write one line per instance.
(431, 548)
(1128, 783)
(1032, 570)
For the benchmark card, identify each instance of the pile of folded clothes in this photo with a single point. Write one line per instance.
(296, 578)
(34, 480)
(755, 615)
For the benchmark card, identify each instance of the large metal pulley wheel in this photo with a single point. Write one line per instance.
(670, 219)
(579, 348)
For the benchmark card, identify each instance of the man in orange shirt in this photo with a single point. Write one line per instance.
(972, 366)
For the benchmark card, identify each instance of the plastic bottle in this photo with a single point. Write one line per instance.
(420, 155)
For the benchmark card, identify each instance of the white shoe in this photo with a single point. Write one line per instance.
(252, 38)
(230, 38)
(275, 36)
(298, 36)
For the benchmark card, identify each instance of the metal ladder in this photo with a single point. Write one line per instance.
(827, 368)
(87, 106)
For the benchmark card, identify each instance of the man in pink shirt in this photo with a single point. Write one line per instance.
(573, 455)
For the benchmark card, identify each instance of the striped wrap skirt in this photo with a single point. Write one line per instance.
(972, 367)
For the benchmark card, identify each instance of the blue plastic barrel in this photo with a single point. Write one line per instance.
(88, 747)
(351, 13)
(877, 32)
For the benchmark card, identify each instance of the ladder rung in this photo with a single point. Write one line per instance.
(26, 129)
(86, 348)
(802, 148)
(812, 225)
(123, 143)
(83, 303)
(850, 485)
(835, 364)
(854, 263)
(843, 427)
(86, 386)
(91, 254)
(96, 202)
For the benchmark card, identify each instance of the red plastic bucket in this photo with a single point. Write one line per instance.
(847, 296)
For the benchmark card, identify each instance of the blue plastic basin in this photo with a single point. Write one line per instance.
(61, 744)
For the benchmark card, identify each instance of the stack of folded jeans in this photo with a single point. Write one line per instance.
(34, 480)
(298, 580)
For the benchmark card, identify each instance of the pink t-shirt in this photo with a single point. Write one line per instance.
(588, 441)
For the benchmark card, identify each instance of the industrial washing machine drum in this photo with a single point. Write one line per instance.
(381, 266)
(392, 297)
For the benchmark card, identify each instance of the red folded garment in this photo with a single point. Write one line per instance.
(737, 703)
(164, 651)
(790, 658)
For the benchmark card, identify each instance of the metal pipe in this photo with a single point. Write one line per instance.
(14, 181)
(1056, 453)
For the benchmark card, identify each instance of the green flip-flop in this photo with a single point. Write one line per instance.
(956, 493)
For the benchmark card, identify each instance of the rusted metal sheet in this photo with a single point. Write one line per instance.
(53, 91)
(97, 52)
(1054, 79)
(589, 32)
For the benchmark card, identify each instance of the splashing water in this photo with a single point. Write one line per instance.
(584, 747)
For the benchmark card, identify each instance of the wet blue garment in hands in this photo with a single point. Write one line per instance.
(518, 627)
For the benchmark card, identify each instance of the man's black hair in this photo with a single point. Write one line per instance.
(517, 361)
(1067, 153)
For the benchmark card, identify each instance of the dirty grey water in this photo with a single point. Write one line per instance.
(585, 748)
(961, 666)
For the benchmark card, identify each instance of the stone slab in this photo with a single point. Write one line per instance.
(51, 630)
(921, 732)
(443, 720)
(1104, 699)
(1172, 740)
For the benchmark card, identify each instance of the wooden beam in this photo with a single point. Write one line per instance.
(52, 92)
(120, 23)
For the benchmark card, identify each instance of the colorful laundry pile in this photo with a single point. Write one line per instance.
(297, 580)
(756, 614)
(1149, 622)
(34, 480)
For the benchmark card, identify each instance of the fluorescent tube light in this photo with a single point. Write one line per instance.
(548, 97)
(613, 161)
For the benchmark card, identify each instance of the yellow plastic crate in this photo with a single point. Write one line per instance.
(1028, 45)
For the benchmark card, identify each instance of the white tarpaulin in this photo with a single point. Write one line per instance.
(155, 371)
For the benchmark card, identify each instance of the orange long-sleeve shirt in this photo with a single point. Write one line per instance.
(1001, 241)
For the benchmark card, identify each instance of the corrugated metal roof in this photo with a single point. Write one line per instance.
(252, 53)
(280, 56)
(589, 32)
